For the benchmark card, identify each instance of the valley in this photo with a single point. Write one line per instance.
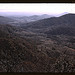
(43, 45)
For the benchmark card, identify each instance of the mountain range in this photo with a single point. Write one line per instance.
(60, 25)
(18, 20)
(44, 45)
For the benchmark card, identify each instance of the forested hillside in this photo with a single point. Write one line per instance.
(46, 45)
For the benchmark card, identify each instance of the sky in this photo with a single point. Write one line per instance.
(36, 8)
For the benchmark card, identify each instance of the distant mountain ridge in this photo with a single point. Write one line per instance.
(44, 25)
(26, 19)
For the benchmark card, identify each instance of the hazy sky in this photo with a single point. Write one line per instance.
(37, 8)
